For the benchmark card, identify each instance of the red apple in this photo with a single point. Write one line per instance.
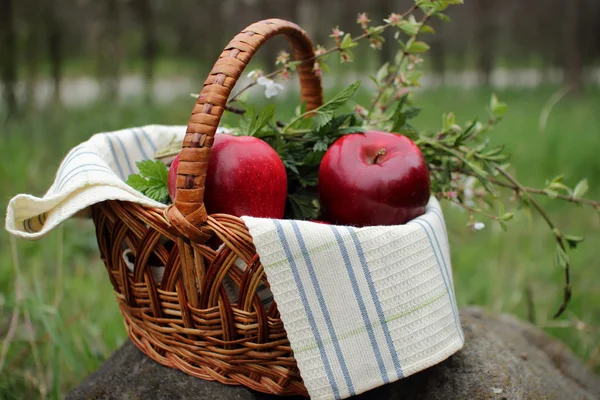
(245, 177)
(373, 178)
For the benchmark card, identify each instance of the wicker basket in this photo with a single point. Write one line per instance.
(188, 320)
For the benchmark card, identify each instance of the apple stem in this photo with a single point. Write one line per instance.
(379, 153)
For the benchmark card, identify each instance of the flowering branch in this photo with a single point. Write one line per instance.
(394, 20)
(320, 55)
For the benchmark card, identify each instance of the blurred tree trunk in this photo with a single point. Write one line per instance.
(110, 55)
(32, 50)
(149, 43)
(485, 38)
(8, 54)
(438, 50)
(54, 37)
(572, 57)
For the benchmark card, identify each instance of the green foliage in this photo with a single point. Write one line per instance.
(151, 181)
(302, 143)
(252, 124)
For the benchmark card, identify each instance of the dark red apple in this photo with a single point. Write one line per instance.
(245, 177)
(373, 178)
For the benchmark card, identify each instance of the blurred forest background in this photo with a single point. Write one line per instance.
(71, 68)
(54, 40)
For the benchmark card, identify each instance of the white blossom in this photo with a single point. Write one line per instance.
(478, 226)
(271, 88)
(252, 73)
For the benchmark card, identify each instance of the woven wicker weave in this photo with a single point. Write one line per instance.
(189, 320)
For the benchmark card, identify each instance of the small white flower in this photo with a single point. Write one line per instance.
(271, 88)
(478, 226)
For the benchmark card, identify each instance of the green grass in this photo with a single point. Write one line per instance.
(68, 317)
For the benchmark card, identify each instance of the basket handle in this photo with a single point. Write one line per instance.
(188, 210)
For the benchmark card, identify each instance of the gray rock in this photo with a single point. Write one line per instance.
(503, 358)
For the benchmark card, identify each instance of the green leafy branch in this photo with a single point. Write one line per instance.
(457, 152)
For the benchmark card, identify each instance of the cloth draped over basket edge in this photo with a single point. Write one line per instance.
(362, 306)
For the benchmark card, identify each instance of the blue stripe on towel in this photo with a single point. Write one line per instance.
(131, 167)
(70, 174)
(448, 272)
(114, 154)
(308, 311)
(105, 170)
(326, 315)
(361, 303)
(137, 139)
(73, 155)
(418, 222)
(150, 142)
(376, 302)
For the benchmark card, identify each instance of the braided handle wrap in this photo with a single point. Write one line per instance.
(188, 210)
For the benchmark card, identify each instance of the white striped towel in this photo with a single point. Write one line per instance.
(362, 306)
(91, 172)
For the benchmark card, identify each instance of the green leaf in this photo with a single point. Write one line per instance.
(320, 146)
(409, 27)
(413, 77)
(321, 118)
(581, 188)
(507, 216)
(573, 240)
(244, 122)
(137, 182)
(151, 181)
(153, 169)
(382, 73)
(347, 42)
(418, 47)
(350, 129)
(448, 120)
(559, 186)
(410, 132)
(341, 98)
(427, 29)
(399, 117)
(253, 124)
(497, 108)
(442, 17)
(412, 112)
(503, 225)
(304, 206)
(562, 258)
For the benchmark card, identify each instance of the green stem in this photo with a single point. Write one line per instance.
(393, 76)
(571, 199)
(557, 234)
